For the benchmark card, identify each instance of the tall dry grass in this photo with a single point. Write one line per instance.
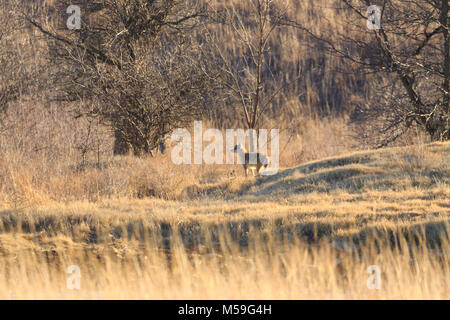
(124, 255)
(146, 228)
(47, 155)
(310, 232)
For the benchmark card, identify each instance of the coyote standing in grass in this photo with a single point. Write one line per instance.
(261, 160)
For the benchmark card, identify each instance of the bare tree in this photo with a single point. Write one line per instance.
(247, 75)
(135, 64)
(17, 68)
(409, 59)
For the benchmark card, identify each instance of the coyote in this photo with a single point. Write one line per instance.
(261, 160)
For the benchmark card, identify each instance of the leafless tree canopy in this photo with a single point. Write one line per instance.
(145, 67)
(409, 57)
(17, 68)
(134, 64)
(248, 78)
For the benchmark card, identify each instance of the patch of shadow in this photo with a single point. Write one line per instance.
(332, 163)
(146, 192)
(315, 166)
(350, 178)
(233, 211)
(200, 192)
(430, 234)
(16, 221)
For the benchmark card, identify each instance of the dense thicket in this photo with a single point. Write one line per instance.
(144, 67)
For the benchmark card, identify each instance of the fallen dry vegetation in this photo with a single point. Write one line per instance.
(309, 232)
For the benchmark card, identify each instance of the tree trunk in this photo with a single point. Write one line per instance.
(445, 118)
(121, 146)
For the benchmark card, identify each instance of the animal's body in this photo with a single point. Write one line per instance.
(261, 160)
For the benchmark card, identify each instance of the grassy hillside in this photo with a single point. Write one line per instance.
(309, 232)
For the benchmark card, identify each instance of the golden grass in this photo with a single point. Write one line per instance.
(309, 232)
(145, 228)
(47, 165)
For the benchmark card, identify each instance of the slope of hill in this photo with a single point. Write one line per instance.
(393, 169)
(309, 232)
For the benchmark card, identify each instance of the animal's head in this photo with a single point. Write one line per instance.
(236, 148)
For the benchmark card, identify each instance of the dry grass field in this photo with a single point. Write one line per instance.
(309, 232)
(340, 220)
